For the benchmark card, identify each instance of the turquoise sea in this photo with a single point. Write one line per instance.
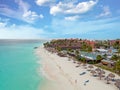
(18, 65)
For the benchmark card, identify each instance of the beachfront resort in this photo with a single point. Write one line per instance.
(101, 58)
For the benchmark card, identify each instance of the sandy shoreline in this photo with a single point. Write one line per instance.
(63, 74)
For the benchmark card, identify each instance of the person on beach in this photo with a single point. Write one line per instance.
(76, 81)
(86, 82)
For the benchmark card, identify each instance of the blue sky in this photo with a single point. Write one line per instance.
(47, 19)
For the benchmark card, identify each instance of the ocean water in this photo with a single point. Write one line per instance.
(18, 65)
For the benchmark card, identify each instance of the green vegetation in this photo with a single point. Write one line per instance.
(117, 67)
(106, 68)
(86, 47)
(114, 57)
(58, 49)
(73, 48)
(83, 59)
(99, 58)
(116, 45)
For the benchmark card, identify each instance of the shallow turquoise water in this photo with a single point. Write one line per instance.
(18, 65)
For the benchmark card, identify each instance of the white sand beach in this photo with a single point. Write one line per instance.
(63, 74)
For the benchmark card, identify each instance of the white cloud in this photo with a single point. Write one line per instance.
(83, 27)
(20, 32)
(105, 12)
(45, 2)
(9, 31)
(72, 18)
(72, 8)
(22, 13)
(23, 6)
(2, 24)
(42, 2)
(30, 16)
(41, 16)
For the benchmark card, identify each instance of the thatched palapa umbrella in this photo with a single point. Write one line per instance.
(93, 72)
(100, 72)
(108, 79)
(84, 65)
(90, 66)
(111, 75)
(103, 72)
(79, 63)
(117, 83)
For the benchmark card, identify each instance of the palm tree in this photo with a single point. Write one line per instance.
(114, 57)
(118, 51)
(105, 56)
(116, 44)
(83, 59)
(98, 58)
(76, 52)
(89, 49)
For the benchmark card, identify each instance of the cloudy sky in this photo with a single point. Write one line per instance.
(46, 19)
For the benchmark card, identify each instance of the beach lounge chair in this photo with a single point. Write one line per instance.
(87, 81)
(82, 73)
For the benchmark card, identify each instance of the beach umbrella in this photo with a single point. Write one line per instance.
(111, 75)
(108, 79)
(84, 65)
(98, 69)
(93, 72)
(79, 63)
(74, 61)
(100, 73)
(90, 66)
(103, 72)
(117, 83)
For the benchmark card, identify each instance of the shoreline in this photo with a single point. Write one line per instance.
(63, 74)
